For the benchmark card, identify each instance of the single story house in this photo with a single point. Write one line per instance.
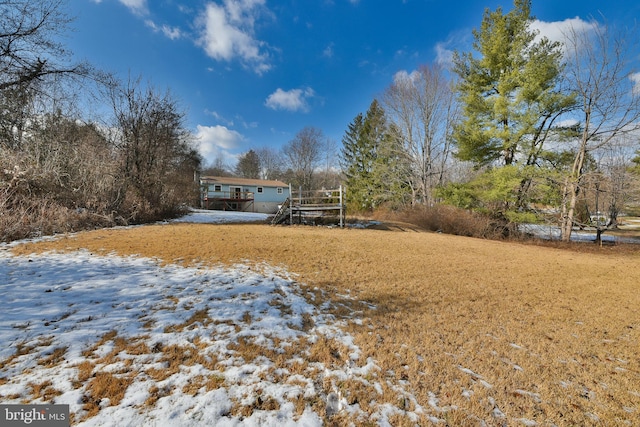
(242, 194)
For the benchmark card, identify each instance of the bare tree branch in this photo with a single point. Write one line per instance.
(599, 74)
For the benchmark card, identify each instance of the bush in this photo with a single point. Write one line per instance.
(26, 211)
(451, 220)
(71, 181)
(35, 217)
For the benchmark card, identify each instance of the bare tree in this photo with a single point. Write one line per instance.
(329, 175)
(271, 162)
(29, 50)
(75, 160)
(607, 188)
(153, 145)
(16, 113)
(608, 101)
(422, 107)
(303, 154)
(33, 63)
(217, 168)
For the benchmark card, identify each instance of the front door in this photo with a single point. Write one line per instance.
(236, 192)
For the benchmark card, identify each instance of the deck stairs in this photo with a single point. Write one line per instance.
(283, 213)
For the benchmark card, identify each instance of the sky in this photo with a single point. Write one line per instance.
(253, 73)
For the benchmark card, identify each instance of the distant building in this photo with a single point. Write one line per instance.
(241, 194)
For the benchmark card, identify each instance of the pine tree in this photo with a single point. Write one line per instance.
(370, 161)
(248, 165)
(511, 100)
(509, 93)
(356, 162)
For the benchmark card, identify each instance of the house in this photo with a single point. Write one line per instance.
(241, 194)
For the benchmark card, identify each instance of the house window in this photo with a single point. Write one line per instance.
(279, 190)
(217, 187)
(259, 189)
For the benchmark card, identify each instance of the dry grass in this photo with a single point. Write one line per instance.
(22, 349)
(470, 327)
(201, 382)
(55, 357)
(174, 357)
(85, 370)
(104, 387)
(44, 391)
(199, 318)
(249, 404)
(156, 393)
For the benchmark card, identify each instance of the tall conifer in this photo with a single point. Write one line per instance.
(509, 92)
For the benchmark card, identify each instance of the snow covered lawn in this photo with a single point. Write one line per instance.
(130, 342)
(220, 217)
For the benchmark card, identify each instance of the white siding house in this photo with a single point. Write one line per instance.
(241, 194)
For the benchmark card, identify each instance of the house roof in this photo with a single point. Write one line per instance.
(225, 180)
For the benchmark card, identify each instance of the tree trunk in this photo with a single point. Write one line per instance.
(599, 231)
(571, 190)
(572, 184)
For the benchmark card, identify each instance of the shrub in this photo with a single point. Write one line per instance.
(451, 220)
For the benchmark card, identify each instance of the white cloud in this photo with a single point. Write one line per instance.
(444, 56)
(227, 32)
(403, 76)
(217, 142)
(328, 51)
(245, 124)
(635, 78)
(559, 31)
(241, 122)
(219, 117)
(139, 7)
(567, 123)
(291, 100)
(172, 33)
(238, 9)
(457, 40)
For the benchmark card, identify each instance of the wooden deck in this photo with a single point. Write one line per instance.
(308, 206)
(241, 201)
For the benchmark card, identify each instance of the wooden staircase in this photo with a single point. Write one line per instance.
(283, 213)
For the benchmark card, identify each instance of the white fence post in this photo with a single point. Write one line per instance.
(341, 209)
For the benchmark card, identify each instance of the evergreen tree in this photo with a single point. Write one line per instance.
(511, 101)
(370, 160)
(248, 165)
(392, 171)
(356, 163)
(509, 93)
(635, 166)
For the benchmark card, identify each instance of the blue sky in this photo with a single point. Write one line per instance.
(252, 73)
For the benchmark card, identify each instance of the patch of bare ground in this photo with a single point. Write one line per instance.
(474, 329)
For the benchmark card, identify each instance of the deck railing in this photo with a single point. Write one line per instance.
(317, 201)
(317, 198)
(230, 195)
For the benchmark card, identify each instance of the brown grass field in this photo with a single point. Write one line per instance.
(508, 333)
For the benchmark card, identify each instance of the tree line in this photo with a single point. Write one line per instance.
(60, 171)
(520, 129)
(307, 161)
(136, 162)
